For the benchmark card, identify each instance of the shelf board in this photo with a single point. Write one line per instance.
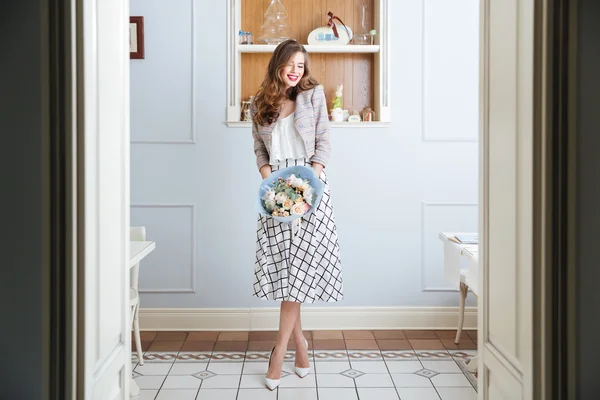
(269, 48)
(374, 124)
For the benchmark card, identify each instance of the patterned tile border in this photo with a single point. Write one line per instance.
(257, 356)
(189, 356)
(365, 355)
(264, 356)
(228, 356)
(400, 355)
(463, 354)
(330, 355)
(433, 355)
(157, 357)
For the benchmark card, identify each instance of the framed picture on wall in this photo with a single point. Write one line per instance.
(136, 37)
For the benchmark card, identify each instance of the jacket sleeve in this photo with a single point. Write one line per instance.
(260, 150)
(322, 143)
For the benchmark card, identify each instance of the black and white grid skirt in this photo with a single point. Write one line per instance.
(305, 268)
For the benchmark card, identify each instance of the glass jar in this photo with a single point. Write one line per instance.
(245, 114)
(368, 115)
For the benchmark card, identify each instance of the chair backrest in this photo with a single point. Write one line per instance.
(136, 233)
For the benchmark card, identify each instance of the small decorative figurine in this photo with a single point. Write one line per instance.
(337, 102)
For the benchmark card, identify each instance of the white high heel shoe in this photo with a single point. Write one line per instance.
(272, 383)
(302, 372)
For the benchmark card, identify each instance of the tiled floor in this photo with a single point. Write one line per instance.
(345, 365)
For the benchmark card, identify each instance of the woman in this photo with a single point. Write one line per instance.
(290, 126)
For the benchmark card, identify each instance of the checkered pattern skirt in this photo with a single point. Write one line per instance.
(305, 268)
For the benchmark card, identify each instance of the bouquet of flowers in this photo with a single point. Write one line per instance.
(291, 196)
(290, 193)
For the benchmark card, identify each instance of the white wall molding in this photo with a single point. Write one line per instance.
(256, 319)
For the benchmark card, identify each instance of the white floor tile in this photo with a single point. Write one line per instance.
(257, 394)
(181, 382)
(217, 394)
(334, 381)
(146, 395)
(450, 380)
(457, 393)
(418, 394)
(374, 381)
(255, 368)
(377, 394)
(177, 394)
(150, 382)
(410, 380)
(337, 394)
(442, 367)
(294, 381)
(226, 368)
(187, 368)
(253, 381)
(331, 367)
(297, 394)
(370, 367)
(154, 369)
(403, 367)
(221, 382)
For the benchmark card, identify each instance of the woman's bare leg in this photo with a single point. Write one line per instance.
(288, 315)
(302, 360)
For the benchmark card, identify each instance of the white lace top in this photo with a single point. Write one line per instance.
(286, 142)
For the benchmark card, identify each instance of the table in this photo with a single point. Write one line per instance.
(461, 268)
(137, 251)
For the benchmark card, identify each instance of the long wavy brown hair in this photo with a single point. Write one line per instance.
(270, 96)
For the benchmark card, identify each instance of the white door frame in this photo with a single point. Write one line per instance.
(515, 125)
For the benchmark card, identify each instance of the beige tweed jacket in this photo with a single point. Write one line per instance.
(312, 122)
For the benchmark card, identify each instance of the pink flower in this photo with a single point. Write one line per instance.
(298, 209)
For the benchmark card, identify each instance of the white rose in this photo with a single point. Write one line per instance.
(270, 205)
(269, 195)
(294, 181)
(305, 186)
(298, 208)
(281, 197)
(308, 195)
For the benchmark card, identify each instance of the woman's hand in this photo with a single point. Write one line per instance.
(318, 168)
(265, 171)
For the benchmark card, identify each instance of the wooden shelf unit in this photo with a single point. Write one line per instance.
(350, 49)
(362, 69)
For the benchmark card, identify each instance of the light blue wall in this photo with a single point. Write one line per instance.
(394, 189)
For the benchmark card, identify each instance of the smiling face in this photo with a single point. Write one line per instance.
(293, 70)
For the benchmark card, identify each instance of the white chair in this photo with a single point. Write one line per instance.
(465, 278)
(136, 234)
(464, 289)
